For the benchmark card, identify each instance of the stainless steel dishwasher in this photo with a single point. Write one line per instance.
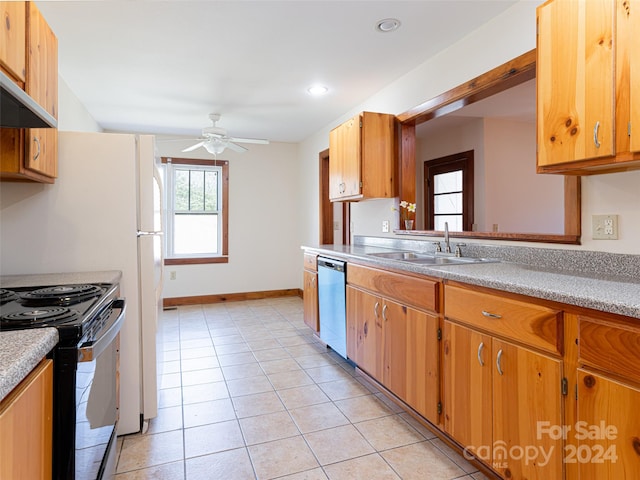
(332, 303)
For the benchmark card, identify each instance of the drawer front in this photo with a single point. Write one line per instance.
(534, 325)
(609, 346)
(420, 293)
(311, 261)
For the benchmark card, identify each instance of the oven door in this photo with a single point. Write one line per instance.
(97, 399)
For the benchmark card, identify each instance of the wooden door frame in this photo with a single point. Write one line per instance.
(325, 207)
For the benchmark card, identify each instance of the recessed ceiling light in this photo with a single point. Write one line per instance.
(388, 25)
(317, 90)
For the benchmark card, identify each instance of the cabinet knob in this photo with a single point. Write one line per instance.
(499, 362)
(595, 134)
(480, 350)
(37, 155)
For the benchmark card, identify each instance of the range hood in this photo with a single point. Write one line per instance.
(19, 110)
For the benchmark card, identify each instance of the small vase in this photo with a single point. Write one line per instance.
(408, 224)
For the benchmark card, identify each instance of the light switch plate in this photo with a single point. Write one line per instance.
(604, 227)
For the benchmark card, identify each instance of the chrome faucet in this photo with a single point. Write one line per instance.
(447, 247)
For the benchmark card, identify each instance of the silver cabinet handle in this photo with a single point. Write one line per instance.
(490, 315)
(384, 312)
(37, 155)
(480, 350)
(595, 134)
(375, 309)
(499, 362)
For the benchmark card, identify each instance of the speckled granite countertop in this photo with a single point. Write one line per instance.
(601, 281)
(16, 281)
(20, 352)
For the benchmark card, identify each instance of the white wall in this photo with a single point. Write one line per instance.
(510, 173)
(264, 224)
(505, 37)
(72, 114)
(448, 141)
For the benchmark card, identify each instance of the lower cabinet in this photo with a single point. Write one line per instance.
(310, 300)
(502, 402)
(310, 292)
(608, 429)
(398, 346)
(26, 423)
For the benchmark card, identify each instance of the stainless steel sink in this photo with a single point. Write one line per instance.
(428, 259)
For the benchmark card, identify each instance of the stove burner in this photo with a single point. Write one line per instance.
(38, 317)
(6, 296)
(62, 295)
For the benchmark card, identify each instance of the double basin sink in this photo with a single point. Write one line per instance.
(431, 259)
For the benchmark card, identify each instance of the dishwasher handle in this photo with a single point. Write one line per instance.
(331, 264)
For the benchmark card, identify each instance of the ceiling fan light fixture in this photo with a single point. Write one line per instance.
(215, 147)
(387, 25)
(317, 90)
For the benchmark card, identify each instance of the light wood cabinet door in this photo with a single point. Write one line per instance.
(353, 303)
(394, 317)
(608, 410)
(526, 396)
(345, 159)
(575, 81)
(422, 365)
(13, 36)
(26, 423)
(362, 158)
(367, 310)
(310, 300)
(633, 50)
(42, 84)
(468, 388)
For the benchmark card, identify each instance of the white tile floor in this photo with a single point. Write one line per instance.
(247, 392)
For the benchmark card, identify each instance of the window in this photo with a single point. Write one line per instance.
(449, 192)
(196, 210)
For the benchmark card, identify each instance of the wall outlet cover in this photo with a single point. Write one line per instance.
(604, 227)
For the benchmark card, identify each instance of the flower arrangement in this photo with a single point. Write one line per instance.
(405, 218)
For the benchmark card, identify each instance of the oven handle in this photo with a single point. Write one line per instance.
(93, 351)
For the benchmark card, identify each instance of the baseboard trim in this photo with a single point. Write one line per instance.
(230, 297)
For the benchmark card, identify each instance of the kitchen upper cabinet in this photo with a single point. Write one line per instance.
(310, 294)
(587, 82)
(13, 39)
(497, 392)
(32, 154)
(26, 423)
(363, 158)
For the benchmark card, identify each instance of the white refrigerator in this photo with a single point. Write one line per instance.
(103, 213)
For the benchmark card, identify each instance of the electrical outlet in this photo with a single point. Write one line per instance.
(172, 275)
(385, 226)
(336, 225)
(604, 227)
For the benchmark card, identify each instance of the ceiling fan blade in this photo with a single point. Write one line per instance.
(236, 148)
(193, 147)
(249, 140)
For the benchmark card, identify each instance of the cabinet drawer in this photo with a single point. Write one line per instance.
(311, 261)
(610, 346)
(534, 325)
(407, 290)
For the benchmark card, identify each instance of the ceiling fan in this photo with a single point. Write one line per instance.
(215, 139)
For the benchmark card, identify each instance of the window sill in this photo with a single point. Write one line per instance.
(196, 261)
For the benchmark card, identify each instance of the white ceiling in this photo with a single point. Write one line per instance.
(163, 66)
